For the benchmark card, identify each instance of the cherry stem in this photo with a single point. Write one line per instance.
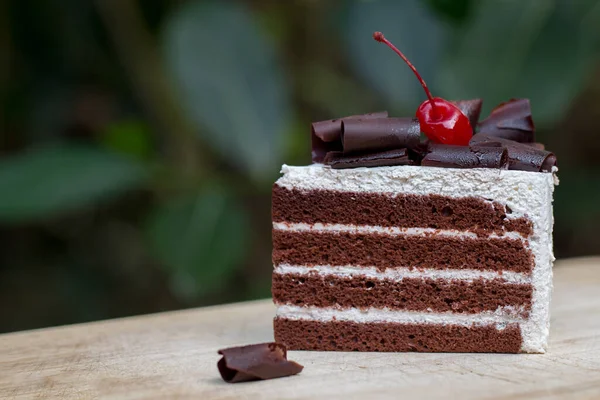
(378, 36)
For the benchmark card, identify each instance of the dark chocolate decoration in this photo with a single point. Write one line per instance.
(256, 361)
(471, 108)
(325, 135)
(338, 160)
(539, 146)
(511, 120)
(321, 148)
(450, 156)
(504, 140)
(363, 135)
(521, 156)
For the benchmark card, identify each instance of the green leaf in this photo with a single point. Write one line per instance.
(333, 93)
(260, 289)
(231, 82)
(541, 50)
(56, 179)
(200, 240)
(454, 10)
(412, 28)
(131, 137)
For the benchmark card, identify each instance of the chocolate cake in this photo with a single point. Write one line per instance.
(412, 258)
(388, 242)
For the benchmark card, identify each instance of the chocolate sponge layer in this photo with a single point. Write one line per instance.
(351, 336)
(402, 210)
(413, 294)
(388, 251)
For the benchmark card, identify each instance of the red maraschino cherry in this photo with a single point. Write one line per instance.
(441, 121)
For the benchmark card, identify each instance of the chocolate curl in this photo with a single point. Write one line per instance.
(511, 120)
(364, 135)
(338, 160)
(321, 148)
(539, 146)
(449, 156)
(256, 361)
(471, 108)
(325, 135)
(521, 156)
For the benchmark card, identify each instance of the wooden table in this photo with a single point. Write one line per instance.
(174, 355)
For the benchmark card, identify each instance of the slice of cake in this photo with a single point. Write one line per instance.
(412, 258)
(391, 243)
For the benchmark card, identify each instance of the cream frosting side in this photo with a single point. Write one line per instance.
(528, 194)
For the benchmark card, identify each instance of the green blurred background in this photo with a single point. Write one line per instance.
(139, 139)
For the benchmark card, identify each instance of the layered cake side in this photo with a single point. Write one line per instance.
(412, 258)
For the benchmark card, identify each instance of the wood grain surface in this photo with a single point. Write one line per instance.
(174, 355)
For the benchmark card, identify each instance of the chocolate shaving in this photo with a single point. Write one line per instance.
(539, 146)
(338, 160)
(511, 120)
(471, 108)
(326, 135)
(449, 156)
(256, 361)
(521, 156)
(363, 135)
(321, 148)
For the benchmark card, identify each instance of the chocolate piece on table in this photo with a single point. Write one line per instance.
(521, 156)
(256, 361)
(363, 135)
(338, 160)
(511, 120)
(539, 146)
(325, 135)
(471, 108)
(449, 156)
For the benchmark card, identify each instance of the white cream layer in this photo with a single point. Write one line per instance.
(500, 318)
(397, 274)
(387, 230)
(528, 194)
